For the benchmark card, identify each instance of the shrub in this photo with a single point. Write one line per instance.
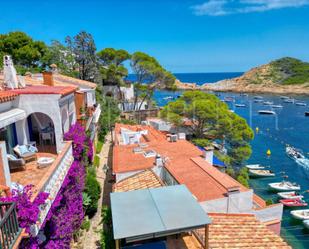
(93, 190)
(96, 161)
(269, 202)
(241, 179)
(99, 147)
(86, 224)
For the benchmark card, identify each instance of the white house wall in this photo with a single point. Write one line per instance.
(41, 103)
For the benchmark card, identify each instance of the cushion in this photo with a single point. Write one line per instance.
(23, 149)
(11, 157)
(32, 149)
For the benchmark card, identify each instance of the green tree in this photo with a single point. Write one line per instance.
(212, 119)
(64, 57)
(148, 70)
(26, 52)
(84, 49)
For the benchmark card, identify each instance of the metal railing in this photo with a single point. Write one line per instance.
(9, 228)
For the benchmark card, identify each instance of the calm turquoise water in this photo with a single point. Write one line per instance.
(289, 126)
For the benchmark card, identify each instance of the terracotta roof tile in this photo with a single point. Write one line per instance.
(142, 180)
(184, 162)
(62, 90)
(239, 231)
(7, 96)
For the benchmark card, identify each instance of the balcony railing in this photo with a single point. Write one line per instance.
(9, 228)
(52, 185)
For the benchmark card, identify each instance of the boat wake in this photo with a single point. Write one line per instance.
(303, 162)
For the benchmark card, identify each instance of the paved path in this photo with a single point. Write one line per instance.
(92, 237)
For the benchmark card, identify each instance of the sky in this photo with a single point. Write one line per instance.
(184, 35)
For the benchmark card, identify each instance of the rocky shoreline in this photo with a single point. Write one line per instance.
(238, 85)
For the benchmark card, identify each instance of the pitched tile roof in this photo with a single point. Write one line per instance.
(183, 160)
(239, 231)
(142, 180)
(62, 90)
(7, 96)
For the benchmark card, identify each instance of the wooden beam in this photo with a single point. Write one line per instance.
(207, 237)
(117, 244)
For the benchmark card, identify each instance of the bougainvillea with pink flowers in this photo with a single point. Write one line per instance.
(66, 214)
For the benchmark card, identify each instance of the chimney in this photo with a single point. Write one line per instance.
(48, 78)
(159, 161)
(10, 74)
(209, 154)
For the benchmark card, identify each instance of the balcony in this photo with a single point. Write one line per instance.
(47, 179)
(9, 228)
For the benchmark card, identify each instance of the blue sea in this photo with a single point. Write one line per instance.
(288, 126)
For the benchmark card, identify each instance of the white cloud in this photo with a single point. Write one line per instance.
(227, 7)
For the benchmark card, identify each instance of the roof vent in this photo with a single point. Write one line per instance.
(173, 138)
(159, 161)
(10, 74)
(138, 150)
(150, 153)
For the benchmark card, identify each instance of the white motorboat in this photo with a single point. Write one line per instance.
(168, 97)
(254, 166)
(284, 97)
(261, 173)
(292, 195)
(306, 224)
(284, 186)
(289, 101)
(300, 214)
(267, 112)
(240, 105)
(276, 106)
(244, 94)
(294, 153)
(258, 97)
(268, 103)
(301, 104)
(229, 99)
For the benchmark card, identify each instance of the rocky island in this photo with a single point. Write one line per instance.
(283, 76)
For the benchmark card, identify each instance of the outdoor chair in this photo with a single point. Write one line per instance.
(26, 152)
(15, 163)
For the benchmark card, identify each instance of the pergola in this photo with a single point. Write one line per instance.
(153, 213)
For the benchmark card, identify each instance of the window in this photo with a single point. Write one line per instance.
(8, 134)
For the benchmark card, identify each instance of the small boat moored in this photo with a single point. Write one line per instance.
(284, 186)
(254, 166)
(289, 100)
(267, 112)
(284, 97)
(240, 105)
(301, 104)
(290, 195)
(268, 103)
(261, 173)
(258, 97)
(300, 214)
(276, 106)
(293, 202)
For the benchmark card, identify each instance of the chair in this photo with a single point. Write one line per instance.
(16, 163)
(26, 152)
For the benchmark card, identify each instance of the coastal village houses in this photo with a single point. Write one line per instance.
(145, 159)
(35, 112)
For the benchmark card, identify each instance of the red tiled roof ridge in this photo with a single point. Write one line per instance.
(216, 174)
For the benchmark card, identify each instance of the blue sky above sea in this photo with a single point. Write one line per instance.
(185, 35)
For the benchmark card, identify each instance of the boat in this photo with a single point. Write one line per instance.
(168, 97)
(300, 214)
(289, 101)
(261, 173)
(268, 103)
(290, 195)
(254, 166)
(284, 97)
(258, 97)
(284, 186)
(306, 224)
(258, 100)
(293, 203)
(307, 114)
(276, 106)
(229, 99)
(244, 94)
(240, 105)
(267, 112)
(301, 104)
(294, 153)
